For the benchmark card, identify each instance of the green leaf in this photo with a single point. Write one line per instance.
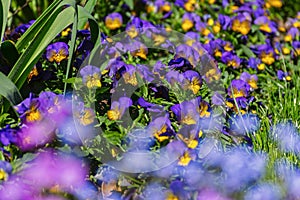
(83, 15)
(4, 5)
(9, 90)
(129, 3)
(89, 7)
(72, 46)
(35, 28)
(247, 51)
(9, 53)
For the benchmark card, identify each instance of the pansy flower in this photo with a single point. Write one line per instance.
(255, 63)
(8, 135)
(5, 170)
(291, 34)
(180, 63)
(265, 53)
(190, 135)
(281, 75)
(188, 5)
(202, 28)
(243, 124)
(204, 109)
(118, 108)
(191, 37)
(137, 49)
(239, 104)
(250, 79)
(188, 53)
(84, 115)
(57, 52)
(188, 156)
(241, 24)
(160, 128)
(273, 3)
(174, 77)
(134, 27)
(90, 76)
(113, 21)
(224, 21)
(186, 112)
(30, 110)
(214, 48)
(192, 81)
(265, 24)
(231, 60)
(187, 22)
(20, 30)
(159, 69)
(160, 6)
(238, 88)
(128, 73)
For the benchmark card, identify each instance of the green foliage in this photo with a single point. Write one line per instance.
(4, 5)
(9, 90)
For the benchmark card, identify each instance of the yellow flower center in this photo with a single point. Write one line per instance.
(158, 39)
(66, 32)
(194, 85)
(113, 114)
(185, 159)
(166, 7)
(58, 57)
(210, 22)
(288, 38)
(261, 66)
(218, 53)
(142, 53)
(171, 196)
(113, 24)
(87, 117)
(265, 27)
(188, 120)
(203, 110)
(267, 58)
(238, 93)
(187, 24)
(242, 27)
(192, 144)
(274, 3)
(3, 175)
(131, 79)
(93, 81)
(252, 83)
(157, 134)
(217, 27)
(286, 50)
(33, 115)
(132, 32)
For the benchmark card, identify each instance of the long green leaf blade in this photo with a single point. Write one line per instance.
(9, 90)
(4, 5)
(72, 46)
(89, 7)
(35, 28)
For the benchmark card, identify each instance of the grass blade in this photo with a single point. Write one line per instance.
(4, 5)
